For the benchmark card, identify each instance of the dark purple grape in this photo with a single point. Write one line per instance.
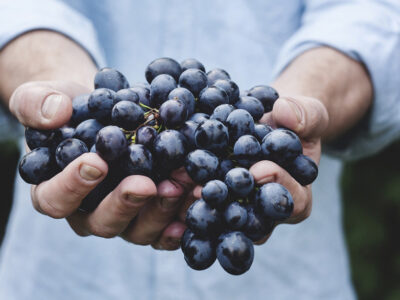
(186, 97)
(261, 130)
(80, 110)
(303, 169)
(186, 237)
(126, 95)
(160, 88)
(215, 193)
(257, 227)
(111, 143)
(240, 182)
(68, 150)
(37, 166)
(221, 112)
(110, 79)
(170, 149)
(230, 88)
(201, 165)
(127, 114)
(239, 123)
(247, 150)
(36, 138)
(252, 105)
(138, 161)
(100, 103)
(212, 135)
(210, 98)
(173, 113)
(146, 135)
(194, 80)
(199, 253)
(141, 84)
(144, 95)
(216, 74)
(274, 201)
(164, 65)
(188, 129)
(199, 117)
(281, 146)
(266, 94)
(235, 252)
(235, 216)
(224, 167)
(192, 63)
(202, 219)
(87, 131)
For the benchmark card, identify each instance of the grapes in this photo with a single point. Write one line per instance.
(182, 117)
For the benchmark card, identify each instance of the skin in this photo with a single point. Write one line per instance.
(318, 101)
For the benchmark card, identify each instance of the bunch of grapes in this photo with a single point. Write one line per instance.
(182, 117)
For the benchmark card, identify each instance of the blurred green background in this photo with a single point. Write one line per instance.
(371, 203)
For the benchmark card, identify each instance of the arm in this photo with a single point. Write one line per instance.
(40, 84)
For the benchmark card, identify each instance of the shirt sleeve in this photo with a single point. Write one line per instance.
(21, 16)
(367, 31)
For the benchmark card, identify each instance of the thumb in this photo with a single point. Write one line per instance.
(44, 104)
(306, 116)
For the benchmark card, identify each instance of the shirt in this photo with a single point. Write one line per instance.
(254, 41)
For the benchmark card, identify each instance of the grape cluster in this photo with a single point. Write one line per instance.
(182, 117)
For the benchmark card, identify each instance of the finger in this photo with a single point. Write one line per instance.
(44, 105)
(170, 238)
(267, 171)
(117, 210)
(186, 203)
(156, 215)
(62, 194)
(263, 240)
(181, 177)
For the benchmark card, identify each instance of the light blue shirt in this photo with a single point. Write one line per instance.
(42, 258)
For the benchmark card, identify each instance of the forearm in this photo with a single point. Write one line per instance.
(342, 84)
(43, 55)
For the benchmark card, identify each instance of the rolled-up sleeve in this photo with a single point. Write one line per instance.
(369, 32)
(21, 16)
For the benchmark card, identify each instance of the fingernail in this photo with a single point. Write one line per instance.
(89, 173)
(168, 203)
(136, 198)
(296, 109)
(51, 105)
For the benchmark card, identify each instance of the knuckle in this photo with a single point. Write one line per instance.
(49, 209)
(102, 231)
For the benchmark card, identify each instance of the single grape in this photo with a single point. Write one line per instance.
(224, 166)
(173, 113)
(194, 80)
(202, 219)
(252, 105)
(188, 129)
(212, 135)
(110, 79)
(215, 74)
(266, 94)
(261, 130)
(111, 143)
(126, 95)
(235, 252)
(61, 134)
(87, 131)
(210, 98)
(186, 97)
(199, 253)
(239, 123)
(240, 182)
(303, 169)
(164, 65)
(170, 149)
(201, 165)
(127, 114)
(138, 161)
(199, 117)
(100, 103)
(68, 150)
(37, 166)
(274, 201)
(230, 88)
(281, 146)
(221, 112)
(36, 138)
(247, 150)
(144, 95)
(146, 135)
(80, 110)
(160, 88)
(215, 193)
(192, 63)
(235, 216)
(256, 227)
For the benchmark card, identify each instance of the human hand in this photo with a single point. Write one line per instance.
(136, 209)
